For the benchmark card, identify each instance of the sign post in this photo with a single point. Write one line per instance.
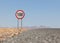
(19, 15)
(17, 24)
(21, 23)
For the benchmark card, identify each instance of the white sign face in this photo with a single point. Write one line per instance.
(20, 14)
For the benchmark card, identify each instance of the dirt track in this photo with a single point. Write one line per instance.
(36, 36)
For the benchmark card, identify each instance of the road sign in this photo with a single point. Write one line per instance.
(20, 14)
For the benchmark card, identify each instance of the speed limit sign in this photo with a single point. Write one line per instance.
(19, 15)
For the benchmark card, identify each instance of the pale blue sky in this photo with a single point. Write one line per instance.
(37, 12)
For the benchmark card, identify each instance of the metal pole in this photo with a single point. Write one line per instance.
(18, 24)
(21, 23)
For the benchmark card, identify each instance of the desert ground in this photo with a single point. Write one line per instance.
(40, 35)
(9, 32)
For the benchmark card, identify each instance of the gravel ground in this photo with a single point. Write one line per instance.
(36, 36)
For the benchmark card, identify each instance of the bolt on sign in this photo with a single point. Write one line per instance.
(19, 15)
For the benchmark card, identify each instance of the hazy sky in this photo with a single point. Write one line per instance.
(37, 12)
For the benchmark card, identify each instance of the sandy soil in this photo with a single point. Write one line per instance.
(10, 32)
(36, 36)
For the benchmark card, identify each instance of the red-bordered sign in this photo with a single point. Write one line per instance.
(19, 14)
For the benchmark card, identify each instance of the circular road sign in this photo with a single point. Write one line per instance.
(20, 14)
